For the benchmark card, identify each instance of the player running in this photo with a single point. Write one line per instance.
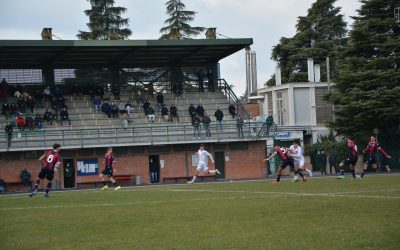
(296, 153)
(284, 155)
(52, 163)
(370, 151)
(352, 158)
(109, 160)
(202, 167)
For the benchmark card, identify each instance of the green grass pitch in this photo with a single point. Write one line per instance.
(323, 213)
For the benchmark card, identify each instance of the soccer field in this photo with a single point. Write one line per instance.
(323, 213)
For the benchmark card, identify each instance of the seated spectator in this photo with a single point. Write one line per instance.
(160, 100)
(21, 104)
(125, 120)
(129, 108)
(30, 103)
(97, 103)
(55, 104)
(232, 110)
(64, 116)
(200, 110)
(150, 114)
(39, 121)
(20, 122)
(106, 109)
(121, 108)
(29, 122)
(48, 116)
(173, 113)
(146, 106)
(192, 110)
(164, 112)
(114, 110)
(219, 115)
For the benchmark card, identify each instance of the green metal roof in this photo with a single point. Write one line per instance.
(19, 54)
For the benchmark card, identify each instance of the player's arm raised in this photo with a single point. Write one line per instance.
(212, 159)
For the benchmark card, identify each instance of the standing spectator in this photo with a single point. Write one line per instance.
(30, 103)
(58, 92)
(29, 122)
(121, 108)
(232, 110)
(9, 130)
(26, 178)
(20, 122)
(192, 111)
(322, 162)
(21, 104)
(332, 162)
(153, 171)
(37, 95)
(269, 121)
(200, 110)
(47, 94)
(210, 77)
(164, 112)
(48, 116)
(150, 114)
(219, 115)
(5, 110)
(114, 110)
(239, 125)
(173, 111)
(140, 99)
(64, 116)
(38, 121)
(206, 122)
(129, 108)
(146, 106)
(97, 103)
(106, 109)
(200, 76)
(13, 109)
(196, 127)
(160, 100)
(4, 89)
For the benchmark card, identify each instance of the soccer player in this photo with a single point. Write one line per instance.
(284, 155)
(109, 160)
(296, 153)
(202, 166)
(52, 162)
(370, 151)
(352, 158)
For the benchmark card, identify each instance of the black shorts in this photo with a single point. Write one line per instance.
(108, 171)
(286, 163)
(370, 159)
(350, 161)
(46, 172)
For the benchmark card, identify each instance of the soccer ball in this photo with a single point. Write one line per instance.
(295, 179)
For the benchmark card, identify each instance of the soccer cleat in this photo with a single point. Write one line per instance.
(104, 188)
(45, 196)
(340, 177)
(190, 182)
(217, 172)
(117, 188)
(309, 172)
(33, 193)
(358, 177)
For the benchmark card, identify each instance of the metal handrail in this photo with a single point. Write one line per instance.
(227, 90)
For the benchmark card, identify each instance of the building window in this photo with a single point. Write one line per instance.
(281, 107)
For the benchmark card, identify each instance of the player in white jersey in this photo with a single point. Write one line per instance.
(296, 153)
(202, 166)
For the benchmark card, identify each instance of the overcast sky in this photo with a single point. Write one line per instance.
(266, 21)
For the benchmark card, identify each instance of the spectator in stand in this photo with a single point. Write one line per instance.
(146, 106)
(125, 120)
(173, 111)
(37, 95)
(24, 92)
(160, 100)
(116, 93)
(48, 116)
(9, 130)
(140, 99)
(4, 89)
(206, 122)
(21, 104)
(58, 92)
(17, 94)
(39, 121)
(121, 108)
(13, 109)
(26, 178)
(6, 110)
(61, 102)
(106, 109)
(29, 122)
(97, 103)
(100, 91)
(47, 94)
(239, 125)
(114, 110)
(219, 115)
(164, 112)
(269, 121)
(192, 111)
(55, 104)
(20, 122)
(200, 111)
(150, 114)
(196, 127)
(200, 76)
(64, 116)
(210, 78)
(232, 110)
(129, 108)
(30, 103)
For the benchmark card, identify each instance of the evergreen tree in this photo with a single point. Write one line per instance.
(368, 84)
(104, 17)
(179, 20)
(318, 35)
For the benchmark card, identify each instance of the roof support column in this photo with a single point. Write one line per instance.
(115, 80)
(48, 75)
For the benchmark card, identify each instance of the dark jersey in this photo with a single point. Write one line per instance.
(51, 159)
(282, 153)
(109, 160)
(352, 147)
(373, 147)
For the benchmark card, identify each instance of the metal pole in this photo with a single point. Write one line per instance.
(328, 73)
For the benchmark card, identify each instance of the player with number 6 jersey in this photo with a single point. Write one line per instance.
(52, 161)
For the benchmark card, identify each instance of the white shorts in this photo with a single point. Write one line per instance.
(202, 167)
(299, 163)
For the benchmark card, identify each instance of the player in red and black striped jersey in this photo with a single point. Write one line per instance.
(351, 160)
(109, 162)
(370, 154)
(284, 154)
(52, 161)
